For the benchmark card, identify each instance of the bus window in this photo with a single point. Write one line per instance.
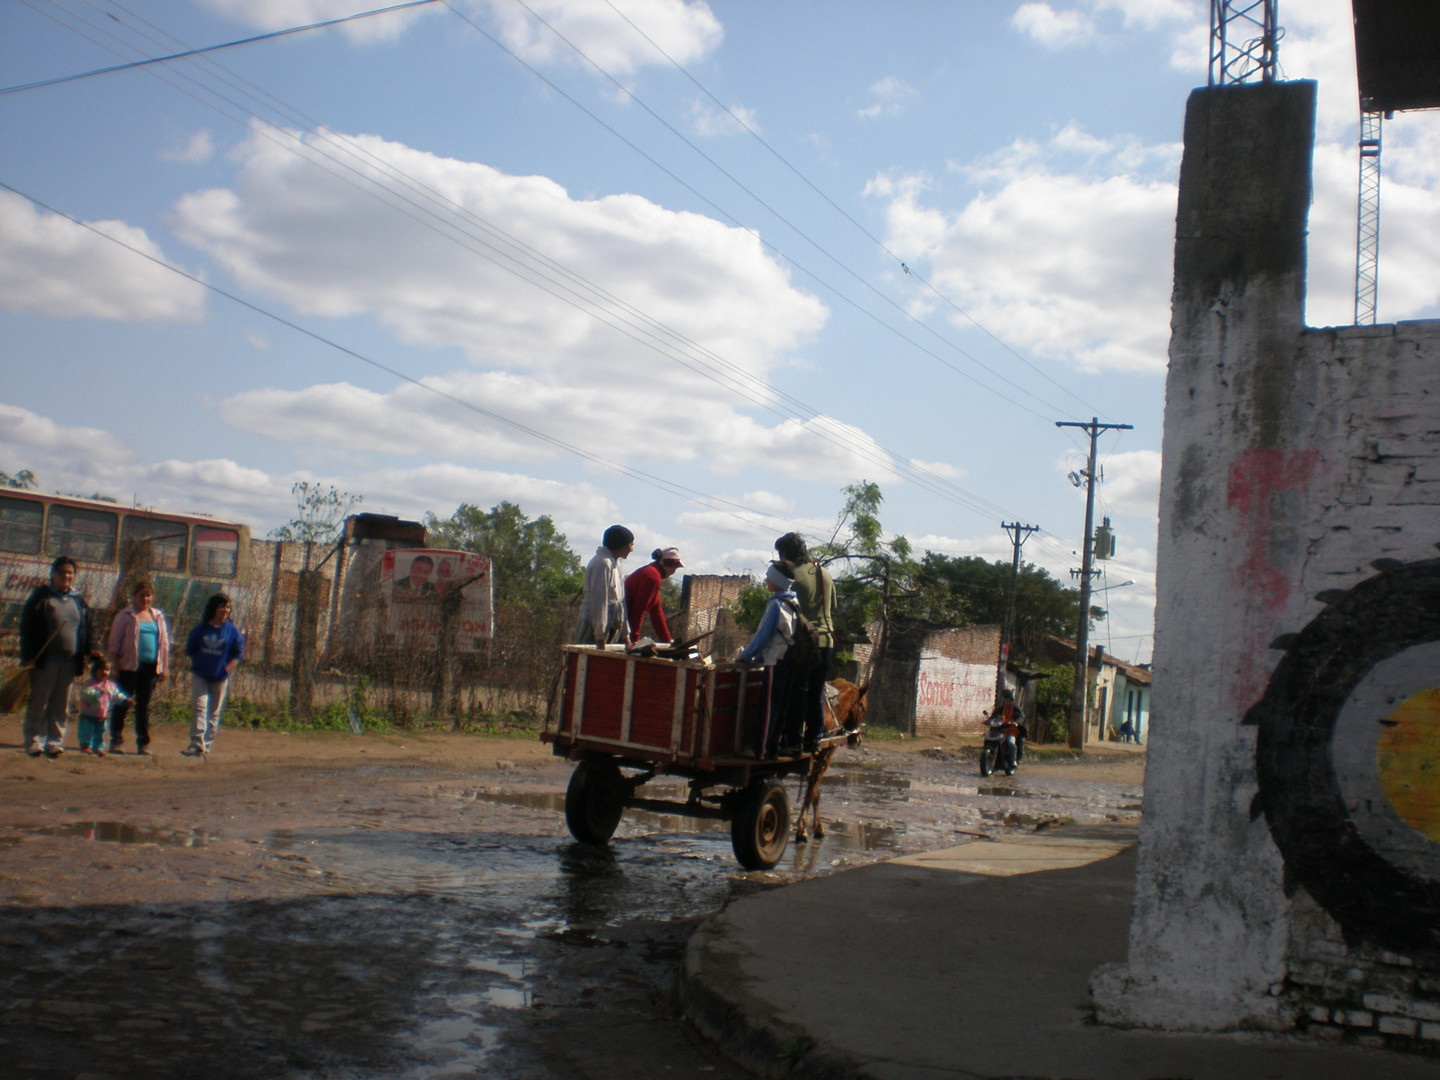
(216, 552)
(164, 541)
(20, 526)
(87, 535)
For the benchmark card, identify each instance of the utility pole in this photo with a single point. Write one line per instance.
(1082, 633)
(1018, 535)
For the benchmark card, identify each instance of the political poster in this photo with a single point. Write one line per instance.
(415, 583)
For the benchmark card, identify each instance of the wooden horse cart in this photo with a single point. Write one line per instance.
(625, 719)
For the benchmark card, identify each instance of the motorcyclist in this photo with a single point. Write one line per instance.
(1014, 718)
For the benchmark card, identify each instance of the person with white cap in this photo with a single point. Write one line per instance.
(642, 593)
(772, 641)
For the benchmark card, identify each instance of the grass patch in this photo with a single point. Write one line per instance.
(355, 713)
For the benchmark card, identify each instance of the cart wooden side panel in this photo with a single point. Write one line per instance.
(650, 709)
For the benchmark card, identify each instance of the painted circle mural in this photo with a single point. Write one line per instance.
(1348, 757)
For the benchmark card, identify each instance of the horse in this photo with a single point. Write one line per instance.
(843, 716)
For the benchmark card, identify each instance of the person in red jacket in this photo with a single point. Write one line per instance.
(642, 593)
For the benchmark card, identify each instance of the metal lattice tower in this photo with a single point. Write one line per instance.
(1243, 41)
(1367, 220)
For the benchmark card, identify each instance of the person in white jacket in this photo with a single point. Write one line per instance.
(602, 605)
(772, 640)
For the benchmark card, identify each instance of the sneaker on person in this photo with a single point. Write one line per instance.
(54, 751)
(99, 753)
(191, 751)
(86, 750)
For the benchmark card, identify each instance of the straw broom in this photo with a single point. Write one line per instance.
(15, 689)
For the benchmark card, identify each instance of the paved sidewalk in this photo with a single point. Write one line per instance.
(970, 962)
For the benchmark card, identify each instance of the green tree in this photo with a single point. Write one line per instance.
(971, 591)
(24, 480)
(749, 607)
(872, 574)
(530, 561)
(536, 580)
(320, 515)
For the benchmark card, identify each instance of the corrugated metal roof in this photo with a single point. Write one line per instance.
(1397, 54)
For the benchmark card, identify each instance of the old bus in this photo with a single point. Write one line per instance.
(188, 556)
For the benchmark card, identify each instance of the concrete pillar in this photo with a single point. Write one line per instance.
(1208, 935)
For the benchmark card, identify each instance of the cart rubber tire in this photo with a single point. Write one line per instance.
(594, 801)
(760, 830)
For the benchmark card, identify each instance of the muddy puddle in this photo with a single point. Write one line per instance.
(446, 935)
(112, 832)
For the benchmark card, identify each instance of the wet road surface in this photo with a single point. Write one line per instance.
(473, 939)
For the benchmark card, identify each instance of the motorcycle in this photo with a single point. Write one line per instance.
(1001, 748)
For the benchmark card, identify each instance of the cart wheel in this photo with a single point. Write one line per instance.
(761, 826)
(594, 801)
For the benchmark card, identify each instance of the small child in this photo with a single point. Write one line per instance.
(96, 699)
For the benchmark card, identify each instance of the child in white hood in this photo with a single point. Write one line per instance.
(772, 640)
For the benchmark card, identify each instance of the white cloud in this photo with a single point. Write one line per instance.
(82, 459)
(1093, 21)
(283, 14)
(942, 469)
(1051, 28)
(31, 441)
(1132, 484)
(618, 423)
(686, 31)
(710, 121)
(769, 501)
(1069, 265)
(296, 231)
(1409, 270)
(888, 97)
(51, 266)
(196, 150)
(711, 296)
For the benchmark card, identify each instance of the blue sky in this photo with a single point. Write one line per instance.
(689, 267)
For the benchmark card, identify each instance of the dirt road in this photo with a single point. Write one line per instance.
(319, 905)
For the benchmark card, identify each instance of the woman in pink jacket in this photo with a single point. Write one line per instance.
(139, 651)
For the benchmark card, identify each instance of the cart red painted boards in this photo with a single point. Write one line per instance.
(624, 719)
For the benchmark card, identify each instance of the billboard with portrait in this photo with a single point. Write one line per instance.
(415, 582)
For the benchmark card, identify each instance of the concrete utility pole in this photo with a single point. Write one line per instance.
(1082, 633)
(1018, 535)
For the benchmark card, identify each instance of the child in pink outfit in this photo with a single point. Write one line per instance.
(97, 697)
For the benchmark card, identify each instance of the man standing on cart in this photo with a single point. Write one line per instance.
(815, 590)
(602, 606)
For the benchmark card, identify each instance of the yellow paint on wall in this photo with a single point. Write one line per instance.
(1409, 761)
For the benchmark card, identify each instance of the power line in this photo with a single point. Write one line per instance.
(640, 327)
(745, 125)
(548, 275)
(58, 80)
(735, 221)
(896, 461)
(668, 486)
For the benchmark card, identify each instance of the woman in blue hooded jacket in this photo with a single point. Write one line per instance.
(215, 648)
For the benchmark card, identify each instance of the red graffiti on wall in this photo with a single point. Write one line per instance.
(1256, 478)
(932, 691)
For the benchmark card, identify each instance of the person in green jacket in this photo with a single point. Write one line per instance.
(815, 590)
